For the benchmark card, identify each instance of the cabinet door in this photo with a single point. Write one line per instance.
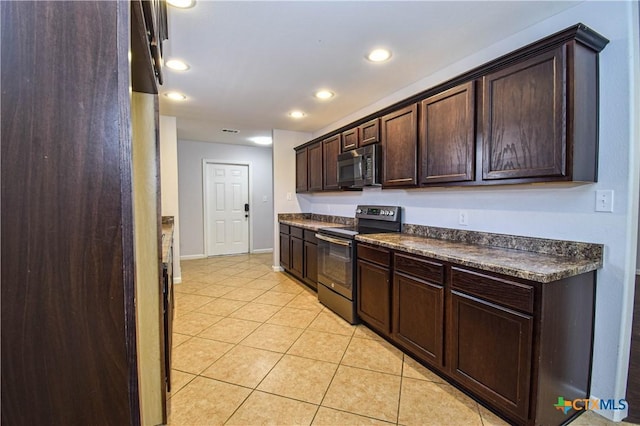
(350, 139)
(369, 132)
(374, 296)
(400, 147)
(447, 136)
(418, 308)
(297, 257)
(311, 264)
(302, 182)
(314, 166)
(331, 149)
(491, 350)
(524, 119)
(285, 251)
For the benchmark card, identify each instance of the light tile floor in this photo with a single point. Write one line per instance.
(254, 347)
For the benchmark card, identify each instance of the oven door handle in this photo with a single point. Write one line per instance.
(338, 241)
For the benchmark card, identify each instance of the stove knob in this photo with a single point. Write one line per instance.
(358, 211)
(391, 212)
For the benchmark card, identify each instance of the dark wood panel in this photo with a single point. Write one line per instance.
(314, 167)
(302, 173)
(311, 264)
(285, 251)
(374, 296)
(350, 139)
(297, 257)
(524, 119)
(330, 152)
(369, 132)
(284, 229)
(418, 317)
(447, 136)
(310, 236)
(294, 231)
(379, 255)
(491, 352)
(400, 147)
(68, 316)
(419, 268)
(633, 380)
(505, 292)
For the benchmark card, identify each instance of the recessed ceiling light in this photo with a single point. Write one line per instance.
(182, 4)
(324, 94)
(177, 64)
(296, 114)
(379, 55)
(175, 96)
(261, 140)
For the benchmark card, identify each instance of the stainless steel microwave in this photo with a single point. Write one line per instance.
(359, 167)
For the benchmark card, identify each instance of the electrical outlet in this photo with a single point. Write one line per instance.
(264, 198)
(288, 196)
(463, 218)
(604, 200)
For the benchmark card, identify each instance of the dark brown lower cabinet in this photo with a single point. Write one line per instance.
(297, 256)
(418, 317)
(515, 345)
(310, 255)
(491, 348)
(374, 288)
(285, 247)
(299, 253)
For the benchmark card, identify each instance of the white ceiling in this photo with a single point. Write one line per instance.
(253, 62)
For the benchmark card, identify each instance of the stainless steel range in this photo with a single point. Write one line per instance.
(337, 257)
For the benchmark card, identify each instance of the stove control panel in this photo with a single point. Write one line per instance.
(386, 213)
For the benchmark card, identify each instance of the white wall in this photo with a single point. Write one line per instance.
(551, 211)
(284, 181)
(190, 156)
(169, 184)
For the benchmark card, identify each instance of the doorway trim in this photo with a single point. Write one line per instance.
(205, 212)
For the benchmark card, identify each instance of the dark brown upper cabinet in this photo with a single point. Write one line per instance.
(369, 132)
(330, 151)
(400, 147)
(540, 117)
(350, 139)
(447, 136)
(523, 119)
(314, 166)
(302, 179)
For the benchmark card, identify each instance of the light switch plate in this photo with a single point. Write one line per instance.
(604, 200)
(463, 218)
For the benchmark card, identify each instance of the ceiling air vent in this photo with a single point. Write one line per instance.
(231, 131)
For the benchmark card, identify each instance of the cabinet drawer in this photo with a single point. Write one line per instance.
(310, 236)
(284, 229)
(419, 268)
(297, 232)
(507, 293)
(377, 255)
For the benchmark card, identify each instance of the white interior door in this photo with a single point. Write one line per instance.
(226, 222)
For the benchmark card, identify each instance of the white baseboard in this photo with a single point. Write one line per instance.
(192, 257)
(267, 250)
(177, 280)
(613, 415)
(277, 268)
(637, 271)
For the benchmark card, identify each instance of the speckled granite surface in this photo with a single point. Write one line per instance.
(529, 265)
(167, 236)
(314, 221)
(535, 259)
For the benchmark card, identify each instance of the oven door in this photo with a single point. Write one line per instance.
(336, 264)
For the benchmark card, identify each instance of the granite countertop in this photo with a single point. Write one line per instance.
(313, 222)
(167, 237)
(529, 265)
